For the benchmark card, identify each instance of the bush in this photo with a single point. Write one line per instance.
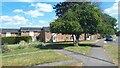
(15, 40)
(36, 44)
(22, 45)
(5, 48)
(8, 40)
(40, 44)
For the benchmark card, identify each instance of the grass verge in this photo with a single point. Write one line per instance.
(87, 41)
(34, 59)
(19, 51)
(80, 49)
(112, 51)
(72, 64)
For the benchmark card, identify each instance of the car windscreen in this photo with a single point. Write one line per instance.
(108, 36)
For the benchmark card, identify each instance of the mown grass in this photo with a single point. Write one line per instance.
(34, 59)
(80, 49)
(19, 51)
(112, 51)
(72, 64)
(87, 40)
(0, 62)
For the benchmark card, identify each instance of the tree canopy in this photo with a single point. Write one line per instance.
(82, 17)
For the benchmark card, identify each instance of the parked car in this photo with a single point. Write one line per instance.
(109, 38)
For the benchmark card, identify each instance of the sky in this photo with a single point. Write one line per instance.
(28, 13)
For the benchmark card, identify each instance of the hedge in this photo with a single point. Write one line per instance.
(15, 40)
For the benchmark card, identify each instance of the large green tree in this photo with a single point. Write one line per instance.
(81, 17)
(110, 23)
(67, 24)
(75, 18)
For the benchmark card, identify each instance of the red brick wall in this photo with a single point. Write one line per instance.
(25, 34)
(3, 34)
(13, 34)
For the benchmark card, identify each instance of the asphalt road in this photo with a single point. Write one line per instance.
(116, 41)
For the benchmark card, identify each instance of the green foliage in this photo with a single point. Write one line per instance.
(109, 25)
(15, 40)
(36, 44)
(5, 48)
(8, 40)
(76, 18)
(22, 45)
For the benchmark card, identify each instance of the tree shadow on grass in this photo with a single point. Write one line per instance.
(62, 46)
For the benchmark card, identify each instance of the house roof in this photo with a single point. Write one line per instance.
(9, 30)
(30, 29)
(47, 29)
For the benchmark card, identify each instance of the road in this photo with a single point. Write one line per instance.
(114, 42)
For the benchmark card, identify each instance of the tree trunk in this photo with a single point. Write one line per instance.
(73, 38)
(77, 40)
(85, 37)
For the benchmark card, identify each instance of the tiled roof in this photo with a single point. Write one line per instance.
(30, 29)
(9, 30)
(47, 29)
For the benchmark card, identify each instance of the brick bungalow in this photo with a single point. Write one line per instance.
(47, 36)
(43, 34)
(5, 32)
(30, 31)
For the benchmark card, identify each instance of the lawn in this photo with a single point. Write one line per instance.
(19, 51)
(80, 49)
(42, 57)
(87, 41)
(0, 62)
(34, 59)
(112, 51)
(72, 64)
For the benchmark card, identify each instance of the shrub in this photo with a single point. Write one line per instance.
(15, 40)
(25, 38)
(22, 45)
(8, 40)
(36, 44)
(5, 48)
(40, 44)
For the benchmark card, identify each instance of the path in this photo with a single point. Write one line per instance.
(99, 53)
(97, 57)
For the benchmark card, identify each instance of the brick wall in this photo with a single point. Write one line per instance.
(25, 34)
(13, 34)
(3, 34)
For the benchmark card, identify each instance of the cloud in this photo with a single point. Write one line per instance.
(113, 11)
(43, 7)
(18, 10)
(34, 13)
(39, 10)
(14, 20)
(42, 22)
